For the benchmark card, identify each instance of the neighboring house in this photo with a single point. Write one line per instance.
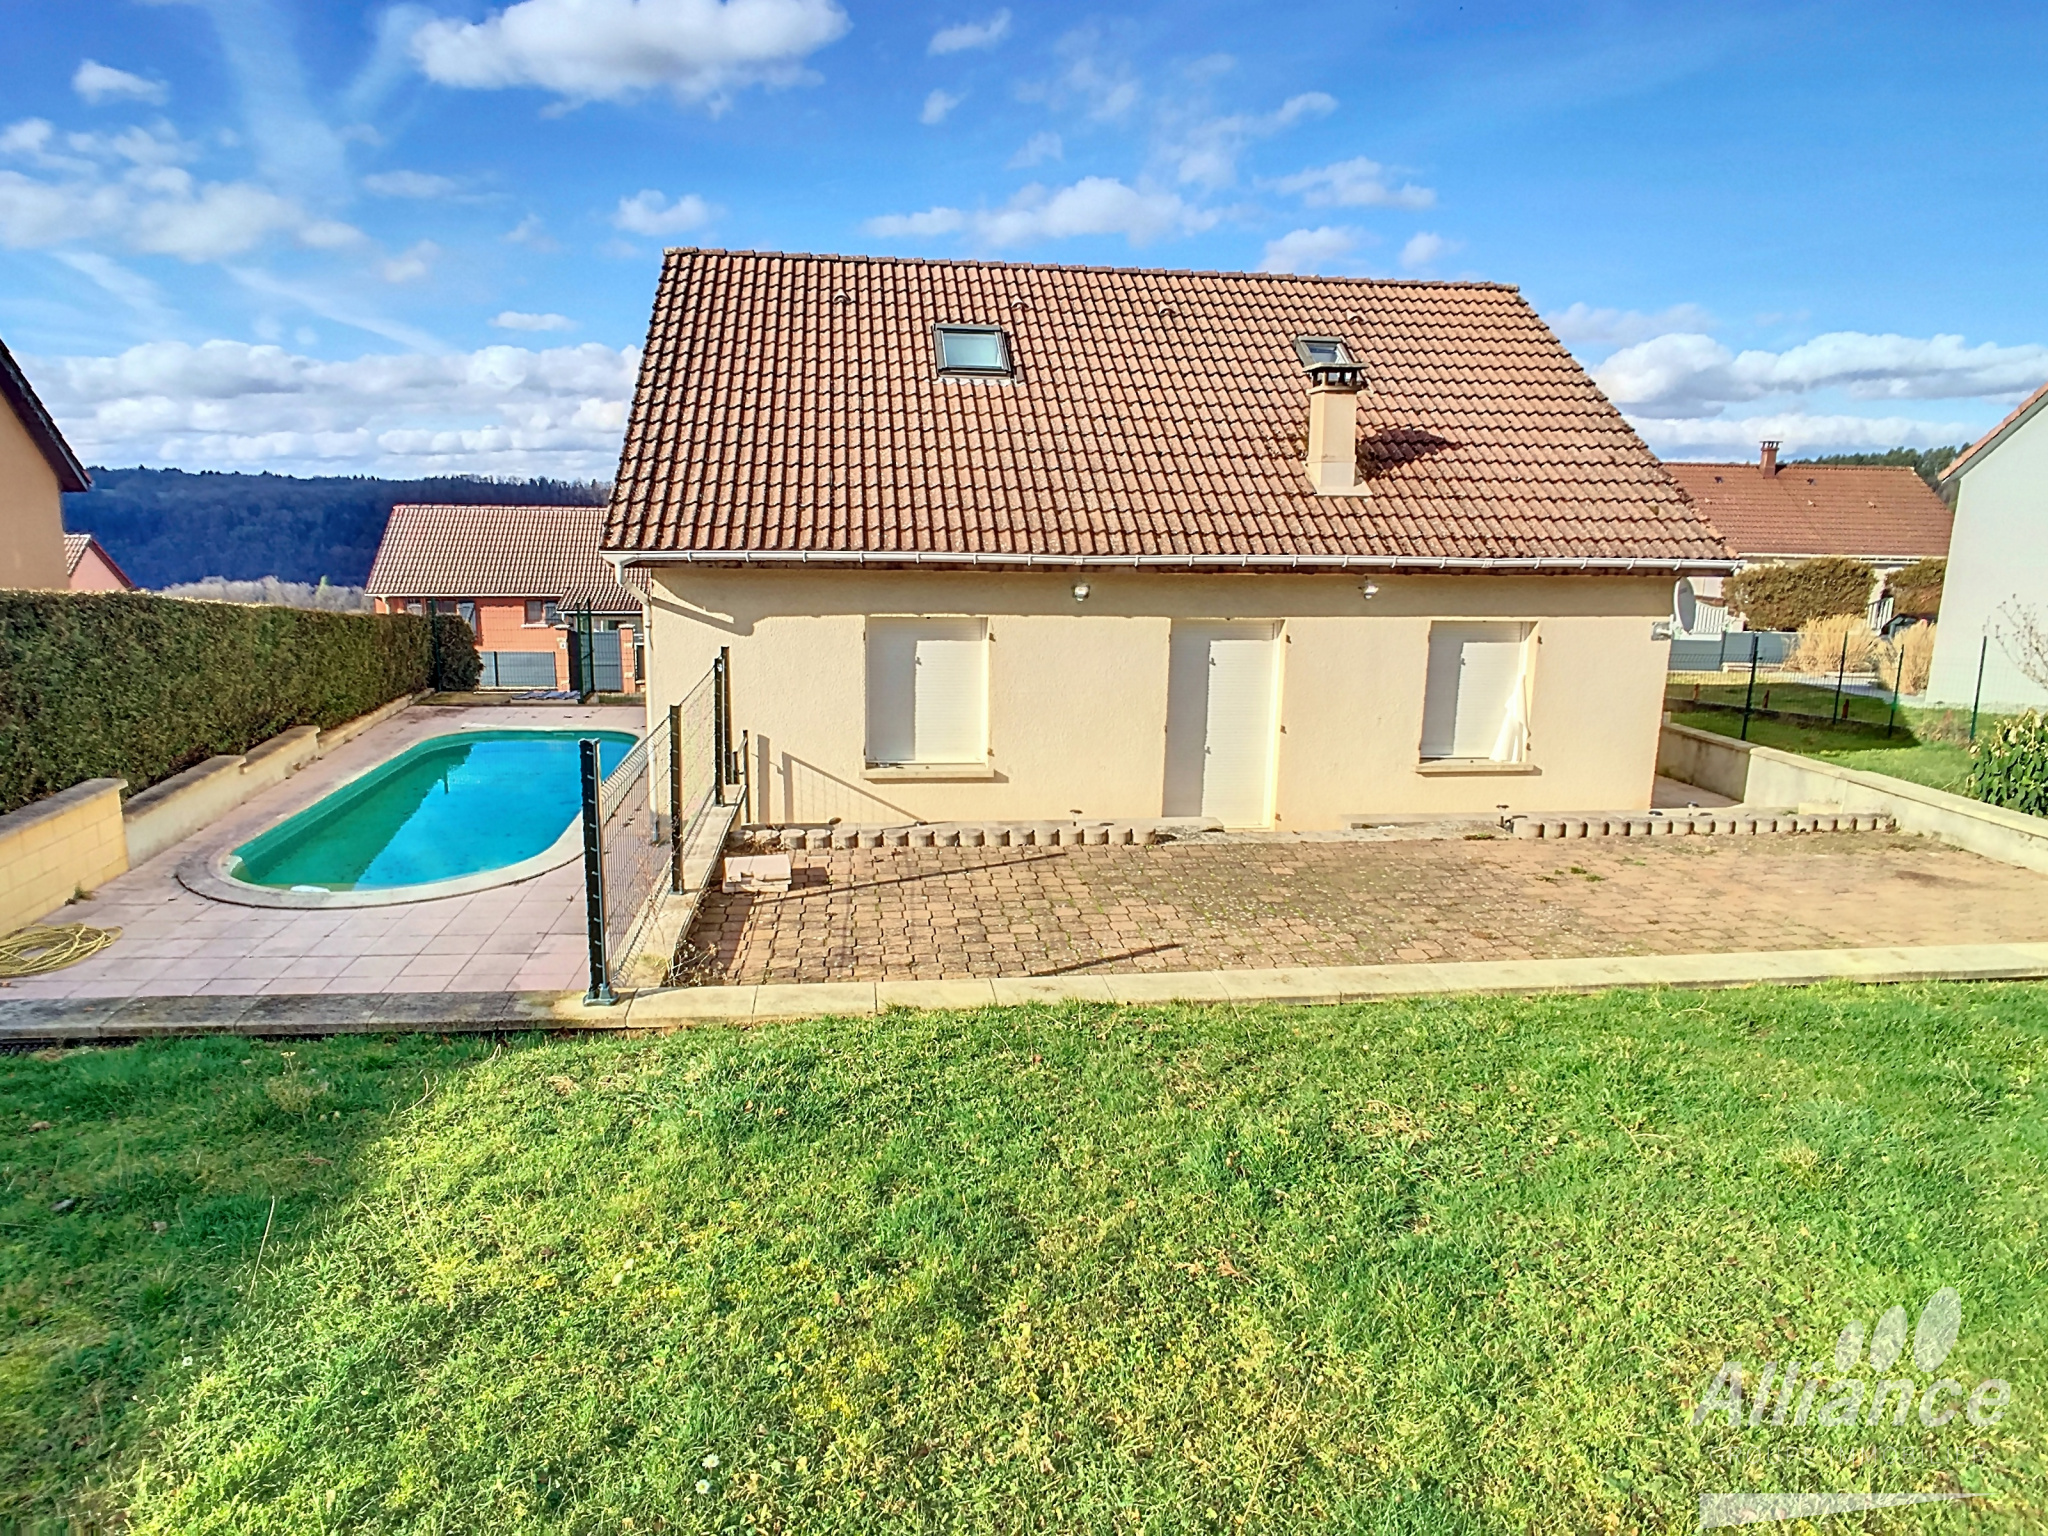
(36, 467)
(1883, 515)
(92, 568)
(521, 576)
(1013, 542)
(1997, 561)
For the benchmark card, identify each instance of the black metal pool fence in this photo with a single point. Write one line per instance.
(639, 818)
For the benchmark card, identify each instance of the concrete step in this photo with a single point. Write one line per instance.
(1727, 821)
(971, 834)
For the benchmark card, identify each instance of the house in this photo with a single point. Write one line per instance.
(1997, 566)
(36, 467)
(1883, 515)
(91, 568)
(523, 577)
(1014, 542)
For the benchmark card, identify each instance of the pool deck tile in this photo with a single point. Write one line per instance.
(175, 942)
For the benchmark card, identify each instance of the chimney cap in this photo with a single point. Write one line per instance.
(1767, 458)
(1337, 376)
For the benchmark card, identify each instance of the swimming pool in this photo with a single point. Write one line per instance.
(450, 807)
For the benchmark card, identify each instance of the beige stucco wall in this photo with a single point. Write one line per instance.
(1077, 691)
(31, 512)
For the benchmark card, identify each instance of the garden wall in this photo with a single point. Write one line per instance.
(133, 686)
(1766, 776)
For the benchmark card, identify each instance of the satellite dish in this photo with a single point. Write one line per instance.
(1685, 607)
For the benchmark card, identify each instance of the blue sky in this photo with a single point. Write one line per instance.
(414, 238)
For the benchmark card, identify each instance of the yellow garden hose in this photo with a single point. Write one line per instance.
(33, 951)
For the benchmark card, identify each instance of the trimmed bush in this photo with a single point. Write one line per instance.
(134, 686)
(457, 666)
(1789, 595)
(1916, 589)
(2009, 766)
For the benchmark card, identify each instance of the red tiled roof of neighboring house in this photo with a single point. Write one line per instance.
(21, 396)
(1879, 511)
(531, 552)
(791, 405)
(2020, 413)
(75, 546)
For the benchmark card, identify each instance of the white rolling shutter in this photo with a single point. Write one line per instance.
(1472, 699)
(927, 691)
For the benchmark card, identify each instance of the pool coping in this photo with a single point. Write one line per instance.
(208, 874)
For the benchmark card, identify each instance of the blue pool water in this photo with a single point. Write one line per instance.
(452, 806)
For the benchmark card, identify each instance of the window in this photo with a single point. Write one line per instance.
(927, 691)
(542, 611)
(416, 605)
(1322, 352)
(973, 349)
(1475, 703)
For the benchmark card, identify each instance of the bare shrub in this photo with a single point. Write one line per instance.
(278, 594)
(1822, 644)
(2020, 633)
(1912, 648)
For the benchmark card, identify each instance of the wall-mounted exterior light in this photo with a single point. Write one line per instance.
(1369, 591)
(1080, 591)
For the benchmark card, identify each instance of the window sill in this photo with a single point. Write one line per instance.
(883, 772)
(1444, 767)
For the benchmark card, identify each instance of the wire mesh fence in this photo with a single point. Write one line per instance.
(640, 819)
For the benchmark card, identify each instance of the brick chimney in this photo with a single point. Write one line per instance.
(1333, 430)
(1768, 459)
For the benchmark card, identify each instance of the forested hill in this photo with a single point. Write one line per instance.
(165, 526)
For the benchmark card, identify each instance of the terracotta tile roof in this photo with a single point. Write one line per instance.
(2020, 413)
(42, 430)
(791, 403)
(536, 552)
(75, 546)
(1869, 511)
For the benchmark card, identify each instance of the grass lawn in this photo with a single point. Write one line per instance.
(1428, 1267)
(1926, 746)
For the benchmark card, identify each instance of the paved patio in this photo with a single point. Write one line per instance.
(525, 937)
(931, 914)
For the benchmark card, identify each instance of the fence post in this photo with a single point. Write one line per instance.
(728, 766)
(718, 728)
(1983, 648)
(1842, 671)
(600, 992)
(1898, 682)
(1750, 692)
(747, 777)
(675, 797)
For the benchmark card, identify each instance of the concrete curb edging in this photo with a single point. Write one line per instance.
(85, 1021)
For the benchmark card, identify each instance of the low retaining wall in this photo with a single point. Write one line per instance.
(1766, 776)
(165, 814)
(61, 844)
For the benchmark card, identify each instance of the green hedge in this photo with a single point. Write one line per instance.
(133, 686)
(457, 666)
(1916, 588)
(1789, 595)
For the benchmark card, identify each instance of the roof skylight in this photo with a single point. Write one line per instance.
(974, 349)
(1323, 352)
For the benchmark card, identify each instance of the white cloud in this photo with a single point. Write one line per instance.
(1802, 433)
(1094, 205)
(412, 265)
(1688, 375)
(409, 184)
(606, 50)
(937, 105)
(96, 82)
(1582, 325)
(231, 405)
(159, 211)
(1206, 151)
(1105, 92)
(933, 221)
(1308, 250)
(532, 232)
(1425, 249)
(1039, 147)
(648, 213)
(1359, 183)
(515, 320)
(971, 34)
